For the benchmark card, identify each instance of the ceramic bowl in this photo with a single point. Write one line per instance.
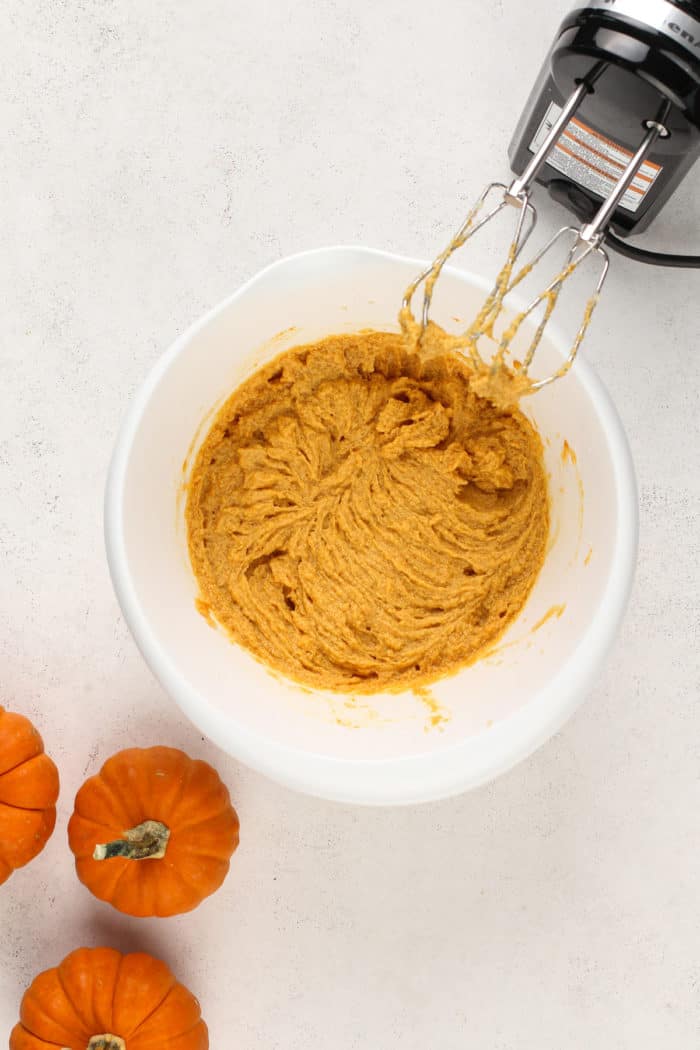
(383, 749)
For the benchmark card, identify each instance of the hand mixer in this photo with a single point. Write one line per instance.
(611, 127)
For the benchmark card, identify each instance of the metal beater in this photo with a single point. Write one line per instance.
(660, 95)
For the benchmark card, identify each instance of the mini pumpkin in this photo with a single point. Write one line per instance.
(28, 793)
(153, 832)
(99, 999)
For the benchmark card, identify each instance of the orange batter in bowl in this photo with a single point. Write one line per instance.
(361, 520)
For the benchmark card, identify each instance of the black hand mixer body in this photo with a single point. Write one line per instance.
(641, 60)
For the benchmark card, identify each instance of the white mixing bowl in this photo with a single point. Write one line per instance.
(391, 748)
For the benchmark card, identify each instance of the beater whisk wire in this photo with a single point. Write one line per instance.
(469, 227)
(587, 241)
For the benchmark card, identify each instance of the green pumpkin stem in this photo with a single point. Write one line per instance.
(106, 1042)
(147, 841)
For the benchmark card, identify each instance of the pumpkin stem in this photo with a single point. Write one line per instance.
(147, 841)
(106, 1042)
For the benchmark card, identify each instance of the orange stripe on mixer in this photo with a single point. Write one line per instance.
(609, 160)
(593, 167)
(591, 149)
(609, 142)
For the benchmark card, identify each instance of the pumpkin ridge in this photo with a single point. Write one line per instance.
(200, 1021)
(189, 888)
(212, 838)
(42, 831)
(38, 1038)
(185, 854)
(35, 784)
(155, 1009)
(181, 793)
(144, 804)
(79, 817)
(118, 804)
(173, 1035)
(176, 872)
(115, 869)
(21, 762)
(211, 788)
(25, 734)
(115, 887)
(198, 821)
(28, 809)
(115, 985)
(69, 998)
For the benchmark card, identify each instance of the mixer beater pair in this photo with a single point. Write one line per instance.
(582, 242)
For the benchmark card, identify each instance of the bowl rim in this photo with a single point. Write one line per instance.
(411, 778)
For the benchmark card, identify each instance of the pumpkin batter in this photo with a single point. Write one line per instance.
(361, 520)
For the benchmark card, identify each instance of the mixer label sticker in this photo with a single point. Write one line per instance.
(593, 161)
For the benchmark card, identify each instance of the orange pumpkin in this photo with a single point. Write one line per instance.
(153, 832)
(28, 793)
(99, 999)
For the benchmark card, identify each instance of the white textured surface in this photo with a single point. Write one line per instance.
(155, 156)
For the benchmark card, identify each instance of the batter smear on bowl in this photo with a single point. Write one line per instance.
(361, 520)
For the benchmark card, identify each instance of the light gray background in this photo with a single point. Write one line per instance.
(155, 156)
